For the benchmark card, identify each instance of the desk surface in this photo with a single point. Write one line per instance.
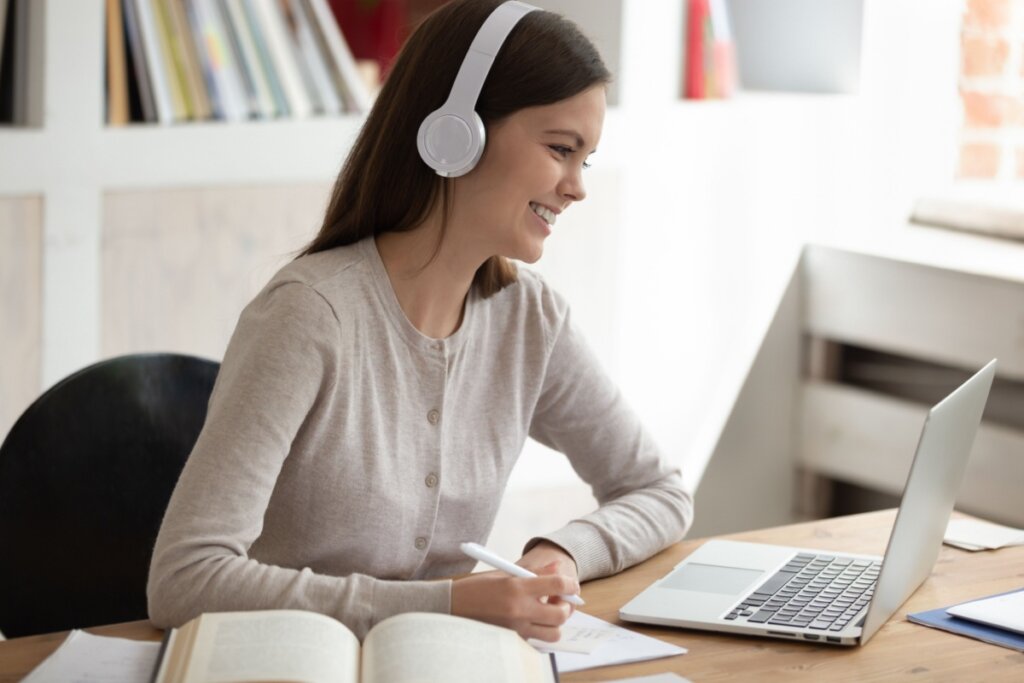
(899, 651)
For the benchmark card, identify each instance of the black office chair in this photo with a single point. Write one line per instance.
(85, 476)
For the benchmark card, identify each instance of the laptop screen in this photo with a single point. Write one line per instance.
(928, 496)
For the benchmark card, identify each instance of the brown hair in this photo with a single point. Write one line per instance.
(383, 185)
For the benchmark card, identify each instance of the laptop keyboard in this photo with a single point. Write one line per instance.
(819, 592)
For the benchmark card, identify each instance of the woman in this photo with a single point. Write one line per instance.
(376, 394)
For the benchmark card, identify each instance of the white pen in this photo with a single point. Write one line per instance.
(478, 552)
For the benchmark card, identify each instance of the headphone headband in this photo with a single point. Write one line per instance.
(451, 139)
(480, 57)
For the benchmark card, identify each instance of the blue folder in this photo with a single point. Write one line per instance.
(937, 618)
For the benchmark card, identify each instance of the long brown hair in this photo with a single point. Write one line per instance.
(383, 185)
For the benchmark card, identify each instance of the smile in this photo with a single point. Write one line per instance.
(547, 214)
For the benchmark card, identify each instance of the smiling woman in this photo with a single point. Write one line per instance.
(530, 172)
(378, 391)
(544, 60)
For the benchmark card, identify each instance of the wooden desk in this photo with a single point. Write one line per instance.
(899, 651)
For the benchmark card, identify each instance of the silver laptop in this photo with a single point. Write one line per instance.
(827, 597)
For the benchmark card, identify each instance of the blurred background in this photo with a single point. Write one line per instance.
(803, 225)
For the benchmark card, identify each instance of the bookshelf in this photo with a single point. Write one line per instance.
(72, 158)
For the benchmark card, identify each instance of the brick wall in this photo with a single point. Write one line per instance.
(992, 90)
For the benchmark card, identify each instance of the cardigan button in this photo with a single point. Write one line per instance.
(421, 543)
(431, 480)
(433, 417)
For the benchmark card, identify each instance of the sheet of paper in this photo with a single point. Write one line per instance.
(620, 647)
(1005, 611)
(581, 639)
(85, 658)
(965, 546)
(970, 532)
(654, 678)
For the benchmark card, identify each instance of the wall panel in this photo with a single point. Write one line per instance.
(179, 265)
(21, 305)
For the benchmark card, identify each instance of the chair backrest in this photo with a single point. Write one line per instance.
(85, 476)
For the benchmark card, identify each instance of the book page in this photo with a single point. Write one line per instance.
(622, 647)
(286, 645)
(421, 648)
(579, 639)
(85, 658)
(981, 534)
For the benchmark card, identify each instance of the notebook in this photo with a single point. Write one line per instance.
(941, 619)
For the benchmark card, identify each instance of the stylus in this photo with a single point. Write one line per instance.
(478, 552)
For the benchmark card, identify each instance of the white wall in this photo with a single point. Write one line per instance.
(713, 202)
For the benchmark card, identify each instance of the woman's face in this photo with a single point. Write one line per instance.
(530, 172)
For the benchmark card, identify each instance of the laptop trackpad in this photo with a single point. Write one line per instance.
(709, 578)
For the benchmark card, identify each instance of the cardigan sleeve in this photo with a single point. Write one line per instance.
(643, 507)
(281, 363)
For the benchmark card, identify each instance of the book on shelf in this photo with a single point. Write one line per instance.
(261, 59)
(20, 74)
(136, 56)
(3, 26)
(186, 59)
(282, 57)
(223, 75)
(156, 69)
(709, 54)
(305, 59)
(6, 57)
(19, 21)
(314, 48)
(697, 16)
(241, 39)
(173, 63)
(722, 60)
(118, 111)
(231, 60)
(351, 84)
(293, 645)
(375, 31)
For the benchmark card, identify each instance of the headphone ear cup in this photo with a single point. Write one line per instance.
(451, 143)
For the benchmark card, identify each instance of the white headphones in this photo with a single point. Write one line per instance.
(451, 139)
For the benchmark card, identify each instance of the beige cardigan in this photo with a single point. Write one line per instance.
(346, 455)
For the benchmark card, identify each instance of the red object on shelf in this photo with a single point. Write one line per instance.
(373, 29)
(697, 16)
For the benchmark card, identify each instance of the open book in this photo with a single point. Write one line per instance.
(292, 645)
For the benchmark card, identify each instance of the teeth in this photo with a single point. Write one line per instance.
(546, 214)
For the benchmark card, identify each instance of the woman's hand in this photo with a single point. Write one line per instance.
(546, 552)
(530, 607)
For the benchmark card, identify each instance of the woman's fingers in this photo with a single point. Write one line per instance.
(544, 622)
(530, 606)
(549, 634)
(549, 578)
(557, 600)
(548, 613)
(553, 585)
(545, 553)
